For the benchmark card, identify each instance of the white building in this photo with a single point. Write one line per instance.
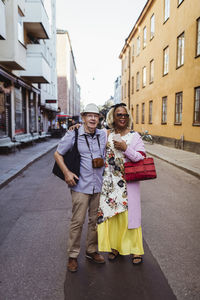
(27, 66)
(68, 88)
(117, 90)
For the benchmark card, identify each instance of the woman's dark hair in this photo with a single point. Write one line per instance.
(118, 105)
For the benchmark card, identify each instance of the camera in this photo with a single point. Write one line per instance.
(97, 162)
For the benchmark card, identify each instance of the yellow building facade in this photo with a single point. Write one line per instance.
(161, 72)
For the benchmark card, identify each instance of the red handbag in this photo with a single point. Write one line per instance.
(140, 170)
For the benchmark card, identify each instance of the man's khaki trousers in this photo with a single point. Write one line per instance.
(80, 203)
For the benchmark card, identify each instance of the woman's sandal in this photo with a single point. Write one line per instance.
(136, 260)
(112, 255)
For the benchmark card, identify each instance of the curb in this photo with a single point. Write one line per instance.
(191, 172)
(25, 167)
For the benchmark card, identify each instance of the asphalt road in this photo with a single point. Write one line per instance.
(35, 210)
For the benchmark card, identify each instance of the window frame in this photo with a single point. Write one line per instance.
(138, 46)
(164, 111)
(20, 26)
(198, 38)
(132, 85)
(152, 33)
(196, 122)
(133, 53)
(179, 2)
(179, 111)
(151, 112)
(143, 113)
(150, 71)
(137, 81)
(165, 63)
(144, 76)
(125, 91)
(144, 37)
(137, 114)
(166, 15)
(180, 54)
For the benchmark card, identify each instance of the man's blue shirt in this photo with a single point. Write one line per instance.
(90, 179)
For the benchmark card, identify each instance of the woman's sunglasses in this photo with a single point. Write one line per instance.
(125, 116)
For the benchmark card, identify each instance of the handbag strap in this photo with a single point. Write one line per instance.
(76, 138)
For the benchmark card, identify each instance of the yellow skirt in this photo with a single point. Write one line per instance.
(114, 234)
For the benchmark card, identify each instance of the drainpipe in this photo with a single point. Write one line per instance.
(129, 78)
(182, 141)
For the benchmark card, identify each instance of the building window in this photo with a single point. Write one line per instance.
(150, 111)
(137, 114)
(132, 85)
(126, 63)
(137, 81)
(164, 110)
(138, 45)
(125, 90)
(197, 106)
(198, 37)
(32, 112)
(20, 27)
(152, 26)
(20, 110)
(179, 2)
(133, 53)
(144, 77)
(4, 114)
(151, 77)
(167, 10)
(178, 108)
(180, 50)
(143, 112)
(144, 37)
(166, 60)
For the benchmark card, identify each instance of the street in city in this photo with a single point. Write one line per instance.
(35, 211)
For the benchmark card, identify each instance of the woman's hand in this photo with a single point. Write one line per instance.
(120, 145)
(74, 126)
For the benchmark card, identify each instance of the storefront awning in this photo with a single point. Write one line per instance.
(64, 116)
(8, 75)
(17, 80)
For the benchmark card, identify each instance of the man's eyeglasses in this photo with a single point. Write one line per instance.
(92, 116)
(125, 116)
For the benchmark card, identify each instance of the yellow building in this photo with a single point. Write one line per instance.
(161, 72)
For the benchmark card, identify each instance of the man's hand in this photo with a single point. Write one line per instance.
(120, 145)
(69, 178)
(74, 126)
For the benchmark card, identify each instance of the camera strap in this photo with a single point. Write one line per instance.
(89, 145)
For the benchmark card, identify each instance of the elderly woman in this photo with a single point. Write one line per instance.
(119, 216)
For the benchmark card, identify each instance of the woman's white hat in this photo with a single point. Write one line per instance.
(91, 108)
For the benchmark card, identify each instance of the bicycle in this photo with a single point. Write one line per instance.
(147, 137)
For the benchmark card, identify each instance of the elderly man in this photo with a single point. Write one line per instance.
(85, 193)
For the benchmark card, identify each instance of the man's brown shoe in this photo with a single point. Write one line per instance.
(96, 257)
(72, 264)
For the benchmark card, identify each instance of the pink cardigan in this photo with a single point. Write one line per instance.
(133, 188)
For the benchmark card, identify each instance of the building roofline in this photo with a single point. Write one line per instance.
(135, 27)
(63, 31)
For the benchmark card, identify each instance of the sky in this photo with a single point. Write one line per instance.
(97, 30)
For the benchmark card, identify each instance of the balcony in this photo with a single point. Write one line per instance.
(37, 67)
(36, 21)
(2, 21)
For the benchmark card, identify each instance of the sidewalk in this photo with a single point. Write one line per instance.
(185, 160)
(12, 164)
